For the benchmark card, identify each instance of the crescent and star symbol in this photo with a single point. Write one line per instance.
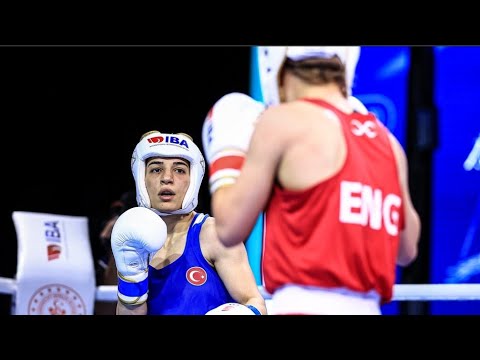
(196, 276)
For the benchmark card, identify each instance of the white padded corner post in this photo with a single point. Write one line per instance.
(55, 268)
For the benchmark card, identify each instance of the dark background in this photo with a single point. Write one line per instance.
(72, 115)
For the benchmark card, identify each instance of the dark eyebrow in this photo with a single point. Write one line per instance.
(160, 162)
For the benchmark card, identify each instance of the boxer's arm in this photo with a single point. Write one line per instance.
(124, 309)
(410, 234)
(233, 267)
(237, 207)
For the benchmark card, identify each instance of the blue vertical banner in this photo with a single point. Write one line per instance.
(455, 250)
(254, 242)
(381, 83)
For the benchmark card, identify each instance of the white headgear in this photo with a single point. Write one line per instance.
(271, 59)
(168, 145)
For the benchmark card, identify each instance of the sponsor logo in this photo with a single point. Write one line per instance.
(56, 299)
(367, 128)
(53, 238)
(383, 107)
(167, 139)
(53, 251)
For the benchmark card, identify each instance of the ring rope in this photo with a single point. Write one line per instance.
(401, 292)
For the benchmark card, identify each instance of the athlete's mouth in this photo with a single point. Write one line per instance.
(166, 195)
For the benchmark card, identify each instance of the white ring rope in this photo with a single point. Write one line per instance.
(8, 286)
(429, 292)
(401, 292)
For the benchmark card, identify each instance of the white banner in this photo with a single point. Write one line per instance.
(55, 269)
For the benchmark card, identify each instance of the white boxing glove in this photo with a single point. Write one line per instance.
(234, 309)
(136, 233)
(357, 105)
(226, 135)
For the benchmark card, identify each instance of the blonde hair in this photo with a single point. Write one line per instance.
(317, 71)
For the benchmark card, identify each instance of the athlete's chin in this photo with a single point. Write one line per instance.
(168, 207)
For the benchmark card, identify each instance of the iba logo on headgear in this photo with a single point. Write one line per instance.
(56, 299)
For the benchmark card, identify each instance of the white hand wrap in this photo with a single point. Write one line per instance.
(234, 309)
(136, 233)
(226, 135)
